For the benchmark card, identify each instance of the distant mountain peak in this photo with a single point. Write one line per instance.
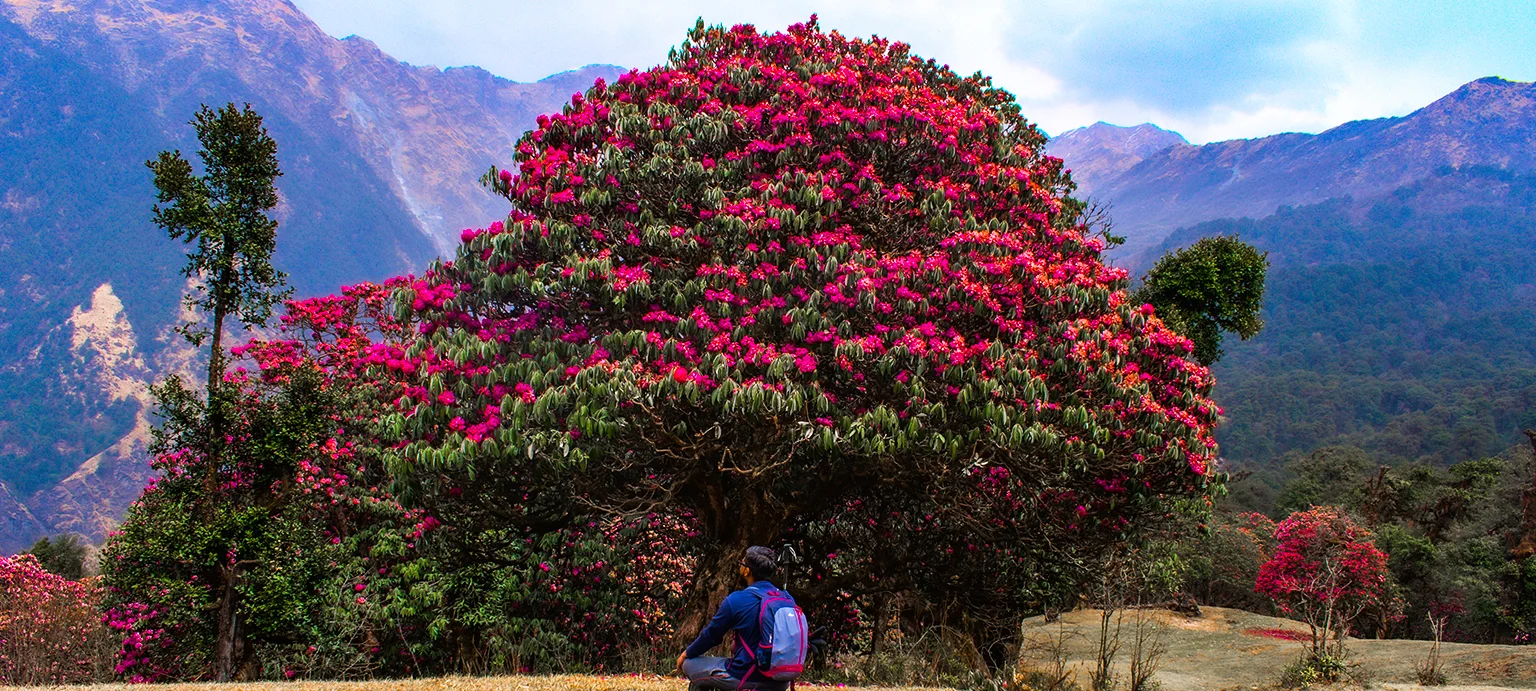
(1494, 81)
(1486, 122)
(585, 72)
(1101, 151)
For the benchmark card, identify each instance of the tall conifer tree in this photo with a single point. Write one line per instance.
(223, 214)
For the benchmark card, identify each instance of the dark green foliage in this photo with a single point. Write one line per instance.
(1212, 286)
(1331, 476)
(1403, 326)
(63, 555)
(224, 214)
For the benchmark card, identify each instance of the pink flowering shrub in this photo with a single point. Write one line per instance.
(1325, 570)
(50, 629)
(783, 272)
(257, 547)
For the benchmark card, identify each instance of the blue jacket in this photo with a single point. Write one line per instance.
(738, 612)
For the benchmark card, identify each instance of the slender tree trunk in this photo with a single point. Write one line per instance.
(882, 615)
(226, 655)
(228, 644)
(216, 358)
(215, 411)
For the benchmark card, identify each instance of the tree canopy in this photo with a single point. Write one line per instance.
(782, 273)
(1214, 285)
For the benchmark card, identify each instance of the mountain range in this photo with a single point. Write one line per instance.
(1157, 183)
(380, 162)
(1400, 309)
(1399, 301)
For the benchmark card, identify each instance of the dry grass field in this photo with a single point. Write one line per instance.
(1233, 650)
(1220, 650)
(571, 682)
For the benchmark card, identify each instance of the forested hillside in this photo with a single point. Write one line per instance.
(1402, 324)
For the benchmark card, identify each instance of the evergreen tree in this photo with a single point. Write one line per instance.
(1215, 285)
(223, 214)
(63, 555)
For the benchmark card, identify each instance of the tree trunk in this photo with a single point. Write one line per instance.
(734, 528)
(216, 356)
(226, 649)
(214, 411)
(882, 614)
(229, 648)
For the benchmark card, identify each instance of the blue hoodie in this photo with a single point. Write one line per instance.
(738, 612)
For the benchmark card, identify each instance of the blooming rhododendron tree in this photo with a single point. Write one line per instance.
(1327, 570)
(778, 273)
(50, 629)
(335, 578)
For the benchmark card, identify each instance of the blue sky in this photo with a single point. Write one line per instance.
(1210, 70)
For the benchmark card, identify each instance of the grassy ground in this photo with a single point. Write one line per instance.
(1232, 650)
(571, 682)
(1220, 650)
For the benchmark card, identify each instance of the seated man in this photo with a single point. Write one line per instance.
(738, 612)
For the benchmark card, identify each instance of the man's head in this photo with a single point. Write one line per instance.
(759, 564)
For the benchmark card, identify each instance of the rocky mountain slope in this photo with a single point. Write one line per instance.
(380, 160)
(1488, 122)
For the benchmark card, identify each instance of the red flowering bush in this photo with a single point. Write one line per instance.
(50, 629)
(1326, 570)
(782, 272)
(263, 542)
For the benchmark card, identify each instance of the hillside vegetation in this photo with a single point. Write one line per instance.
(1401, 324)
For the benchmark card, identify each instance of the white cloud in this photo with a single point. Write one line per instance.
(1209, 69)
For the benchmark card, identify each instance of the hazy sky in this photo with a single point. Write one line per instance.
(1211, 70)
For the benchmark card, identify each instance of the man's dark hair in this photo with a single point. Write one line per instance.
(762, 562)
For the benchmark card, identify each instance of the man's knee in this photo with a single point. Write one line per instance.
(705, 668)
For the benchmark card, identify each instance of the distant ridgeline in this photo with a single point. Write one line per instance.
(1403, 324)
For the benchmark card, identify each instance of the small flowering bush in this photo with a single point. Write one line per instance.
(50, 629)
(1326, 570)
(783, 272)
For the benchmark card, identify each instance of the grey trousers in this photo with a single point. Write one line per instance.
(709, 673)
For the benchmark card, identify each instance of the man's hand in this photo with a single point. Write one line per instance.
(680, 657)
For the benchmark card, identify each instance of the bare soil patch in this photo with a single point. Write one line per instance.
(1232, 650)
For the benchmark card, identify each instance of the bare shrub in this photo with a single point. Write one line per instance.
(1430, 671)
(1043, 660)
(1147, 648)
